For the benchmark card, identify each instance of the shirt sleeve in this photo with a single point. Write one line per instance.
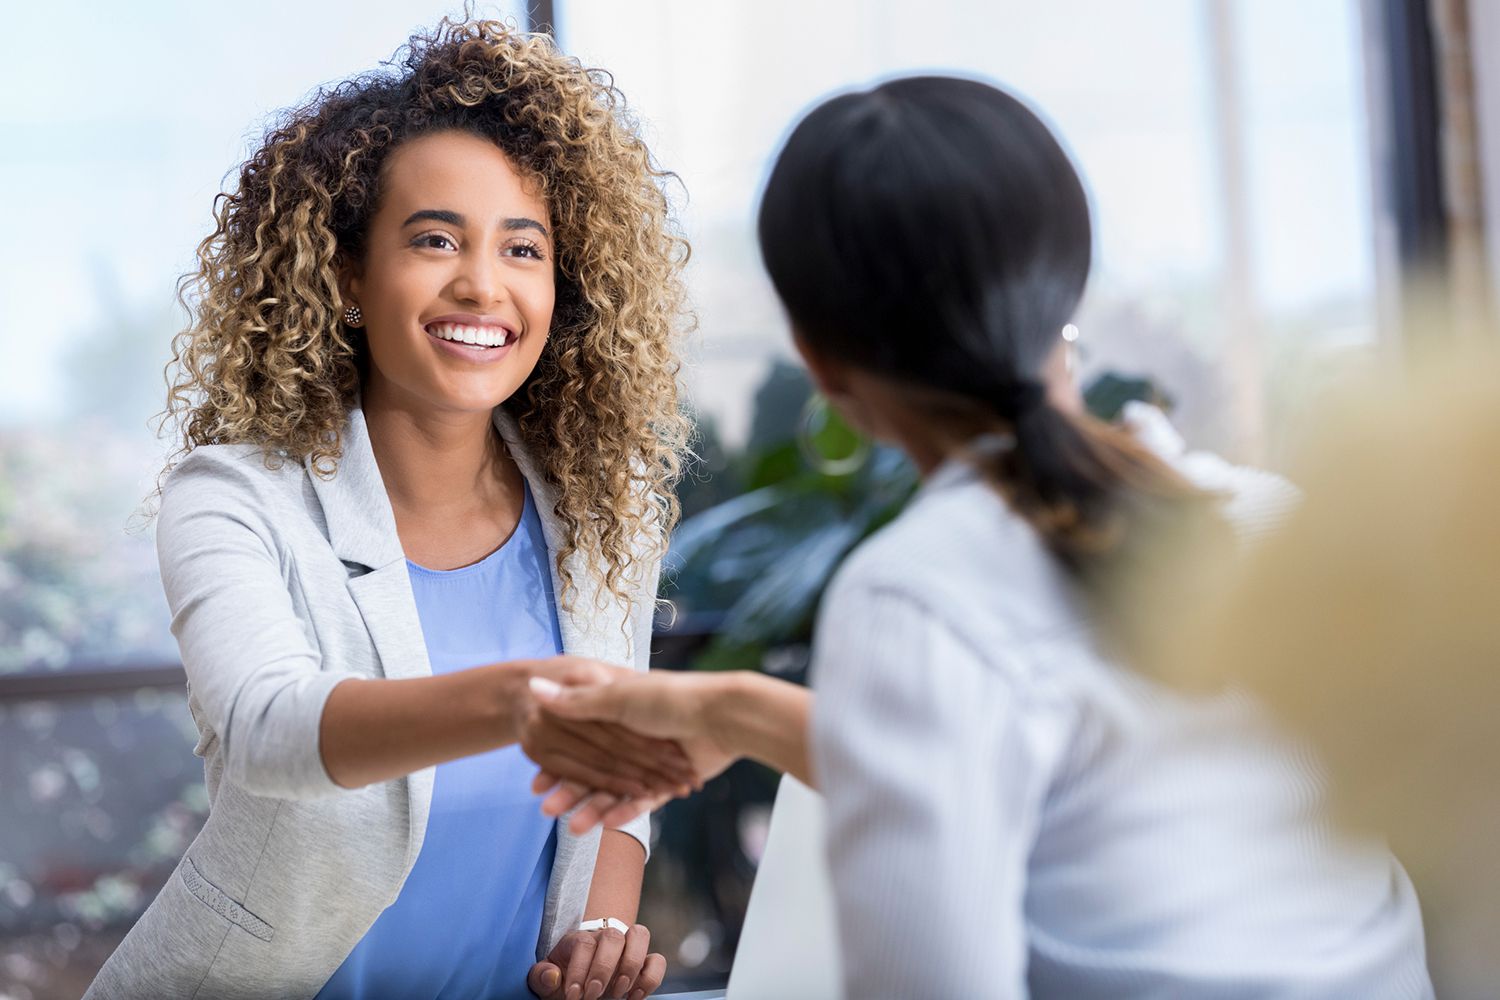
(251, 667)
(932, 801)
(642, 623)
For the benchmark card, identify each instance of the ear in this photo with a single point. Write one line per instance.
(1063, 390)
(350, 279)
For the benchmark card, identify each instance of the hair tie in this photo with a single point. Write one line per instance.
(1014, 400)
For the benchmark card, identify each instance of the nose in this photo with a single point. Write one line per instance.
(480, 279)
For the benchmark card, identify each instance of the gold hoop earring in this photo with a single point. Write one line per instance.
(816, 417)
(354, 317)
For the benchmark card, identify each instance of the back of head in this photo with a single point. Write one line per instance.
(931, 229)
(934, 232)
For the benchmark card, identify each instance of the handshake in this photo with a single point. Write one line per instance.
(615, 743)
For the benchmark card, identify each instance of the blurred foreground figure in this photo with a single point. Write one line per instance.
(1371, 623)
(1013, 810)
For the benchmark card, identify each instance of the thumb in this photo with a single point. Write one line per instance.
(596, 703)
(544, 979)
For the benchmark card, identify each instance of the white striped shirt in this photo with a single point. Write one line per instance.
(1011, 814)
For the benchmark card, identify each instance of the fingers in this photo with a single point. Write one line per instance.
(581, 771)
(564, 797)
(632, 961)
(629, 809)
(580, 671)
(544, 782)
(659, 763)
(592, 812)
(652, 973)
(597, 702)
(545, 980)
(665, 756)
(622, 763)
(609, 945)
(573, 670)
(606, 809)
(579, 961)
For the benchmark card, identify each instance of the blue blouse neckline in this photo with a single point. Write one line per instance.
(485, 563)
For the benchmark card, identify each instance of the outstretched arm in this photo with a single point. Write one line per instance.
(376, 730)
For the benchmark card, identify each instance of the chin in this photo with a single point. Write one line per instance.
(476, 402)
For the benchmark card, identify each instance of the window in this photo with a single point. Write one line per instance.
(1223, 143)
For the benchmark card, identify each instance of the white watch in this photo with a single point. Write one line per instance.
(603, 922)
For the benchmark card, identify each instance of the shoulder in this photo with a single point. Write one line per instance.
(238, 481)
(960, 551)
(959, 568)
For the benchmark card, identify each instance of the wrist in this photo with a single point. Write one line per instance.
(506, 698)
(765, 719)
(742, 709)
(727, 694)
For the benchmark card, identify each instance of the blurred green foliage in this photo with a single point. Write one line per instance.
(751, 566)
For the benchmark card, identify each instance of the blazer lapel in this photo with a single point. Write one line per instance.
(362, 531)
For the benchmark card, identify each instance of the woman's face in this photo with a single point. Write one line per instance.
(457, 282)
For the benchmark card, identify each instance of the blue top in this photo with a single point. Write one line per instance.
(468, 918)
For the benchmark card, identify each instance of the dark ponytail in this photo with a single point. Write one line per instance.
(932, 231)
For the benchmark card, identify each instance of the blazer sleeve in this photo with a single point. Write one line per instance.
(642, 623)
(933, 798)
(250, 664)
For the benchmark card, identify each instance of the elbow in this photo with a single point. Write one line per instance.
(276, 774)
(270, 740)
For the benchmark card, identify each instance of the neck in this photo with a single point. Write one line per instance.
(927, 450)
(431, 459)
(893, 412)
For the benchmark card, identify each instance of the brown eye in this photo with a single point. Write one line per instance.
(525, 248)
(436, 241)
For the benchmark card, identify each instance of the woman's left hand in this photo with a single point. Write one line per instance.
(587, 965)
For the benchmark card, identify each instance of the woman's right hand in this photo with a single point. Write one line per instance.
(676, 707)
(624, 762)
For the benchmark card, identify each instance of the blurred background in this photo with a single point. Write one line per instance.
(1276, 185)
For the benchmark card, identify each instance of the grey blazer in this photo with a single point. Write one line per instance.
(282, 584)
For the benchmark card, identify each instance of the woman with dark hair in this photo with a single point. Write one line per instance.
(1011, 809)
(429, 429)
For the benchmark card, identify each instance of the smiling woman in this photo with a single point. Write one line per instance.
(267, 361)
(429, 429)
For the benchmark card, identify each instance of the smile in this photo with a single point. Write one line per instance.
(480, 337)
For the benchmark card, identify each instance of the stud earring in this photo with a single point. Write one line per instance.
(353, 317)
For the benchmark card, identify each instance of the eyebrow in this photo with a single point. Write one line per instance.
(455, 219)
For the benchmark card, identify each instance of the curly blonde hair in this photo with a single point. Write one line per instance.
(267, 359)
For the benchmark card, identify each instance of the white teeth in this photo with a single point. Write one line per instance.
(479, 336)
